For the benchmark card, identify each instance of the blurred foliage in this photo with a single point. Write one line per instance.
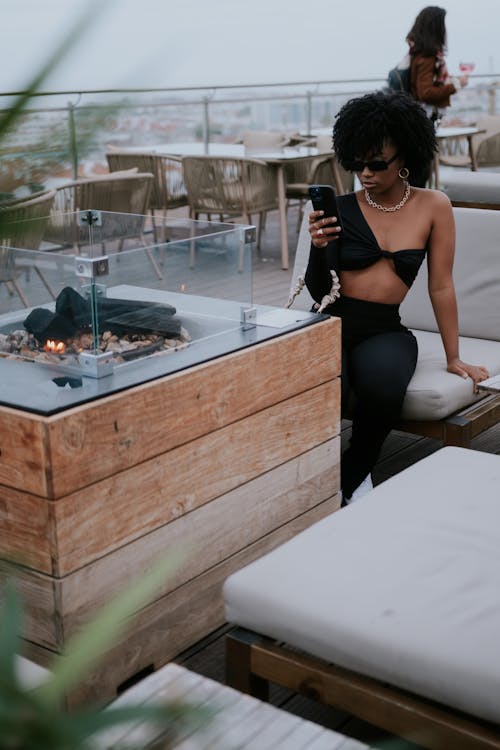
(35, 718)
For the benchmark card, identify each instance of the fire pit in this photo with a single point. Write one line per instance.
(102, 317)
(81, 330)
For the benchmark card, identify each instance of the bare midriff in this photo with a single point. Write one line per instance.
(377, 283)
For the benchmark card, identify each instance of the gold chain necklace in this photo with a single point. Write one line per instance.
(399, 205)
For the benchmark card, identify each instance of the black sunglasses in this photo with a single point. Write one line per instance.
(377, 165)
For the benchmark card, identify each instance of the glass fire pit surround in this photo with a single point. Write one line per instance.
(108, 301)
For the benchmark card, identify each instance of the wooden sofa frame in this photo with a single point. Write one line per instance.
(461, 427)
(252, 661)
(456, 429)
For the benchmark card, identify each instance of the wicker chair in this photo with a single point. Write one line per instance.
(168, 190)
(485, 146)
(23, 223)
(230, 188)
(260, 140)
(321, 169)
(126, 192)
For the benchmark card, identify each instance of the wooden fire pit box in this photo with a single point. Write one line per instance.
(225, 460)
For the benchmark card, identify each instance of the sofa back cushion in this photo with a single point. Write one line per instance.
(477, 278)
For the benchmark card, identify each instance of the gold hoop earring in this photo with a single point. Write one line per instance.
(404, 173)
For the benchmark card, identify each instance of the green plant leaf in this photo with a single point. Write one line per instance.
(96, 637)
(10, 627)
(9, 116)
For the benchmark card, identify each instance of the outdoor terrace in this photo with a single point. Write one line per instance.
(270, 286)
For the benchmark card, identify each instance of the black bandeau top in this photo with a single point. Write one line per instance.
(359, 248)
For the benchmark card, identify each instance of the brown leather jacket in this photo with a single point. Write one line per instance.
(423, 87)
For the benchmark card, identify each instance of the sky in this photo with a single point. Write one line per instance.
(177, 43)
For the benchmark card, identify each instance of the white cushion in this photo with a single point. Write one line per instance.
(402, 586)
(433, 392)
(476, 274)
(476, 187)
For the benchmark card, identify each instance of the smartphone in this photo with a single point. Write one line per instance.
(324, 199)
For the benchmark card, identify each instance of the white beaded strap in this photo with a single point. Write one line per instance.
(299, 285)
(333, 294)
(328, 299)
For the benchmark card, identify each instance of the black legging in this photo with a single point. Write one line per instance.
(379, 356)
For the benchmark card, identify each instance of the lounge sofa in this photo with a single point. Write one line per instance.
(439, 404)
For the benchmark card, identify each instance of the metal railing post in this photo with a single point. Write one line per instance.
(206, 123)
(309, 111)
(72, 140)
(492, 94)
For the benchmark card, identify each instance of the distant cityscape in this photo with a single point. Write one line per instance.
(51, 145)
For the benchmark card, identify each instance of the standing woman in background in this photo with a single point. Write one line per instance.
(431, 83)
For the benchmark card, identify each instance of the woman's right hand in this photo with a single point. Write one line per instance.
(322, 230)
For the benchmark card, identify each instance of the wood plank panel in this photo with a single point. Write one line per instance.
(41, 605)
(98, 519)
(209, 534)
(167, 627)
(26, 535)
(23, 452)
(100, 439)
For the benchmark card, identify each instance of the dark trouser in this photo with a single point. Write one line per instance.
(379, 356)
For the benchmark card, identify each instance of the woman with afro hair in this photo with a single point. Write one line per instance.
(388, 227)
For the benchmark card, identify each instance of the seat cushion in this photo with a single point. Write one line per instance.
(433, 392)
(474, 187)
(403, 585)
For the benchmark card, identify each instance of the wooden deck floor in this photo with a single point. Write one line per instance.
(270, 286)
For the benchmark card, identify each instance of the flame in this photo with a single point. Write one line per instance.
(56, 347)
(183, 287)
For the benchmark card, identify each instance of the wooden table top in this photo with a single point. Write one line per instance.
(229, 150)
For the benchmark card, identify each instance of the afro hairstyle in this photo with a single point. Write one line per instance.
(363, 125)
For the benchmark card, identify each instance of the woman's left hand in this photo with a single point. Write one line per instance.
(476, 372)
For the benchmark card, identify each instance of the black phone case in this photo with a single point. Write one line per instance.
(324, 199)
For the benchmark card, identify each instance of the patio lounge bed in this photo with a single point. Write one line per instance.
(389, 609)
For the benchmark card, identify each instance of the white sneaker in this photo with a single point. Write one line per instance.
(365, 486)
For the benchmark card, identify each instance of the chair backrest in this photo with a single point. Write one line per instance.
(487, 144)
(344, 181)
(168, 189)
(476, 274)
(229, 186)
(264, 139)
(23, 222)
(124, 192)
(324, 142)
(115, 193)
(479, 189)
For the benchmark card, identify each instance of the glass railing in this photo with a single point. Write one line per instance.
(57, 139)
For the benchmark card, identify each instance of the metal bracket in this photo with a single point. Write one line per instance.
(89, 219)
(96, 365)
(250, 235)
(99, 289)
(91, 268)
(248, 317)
